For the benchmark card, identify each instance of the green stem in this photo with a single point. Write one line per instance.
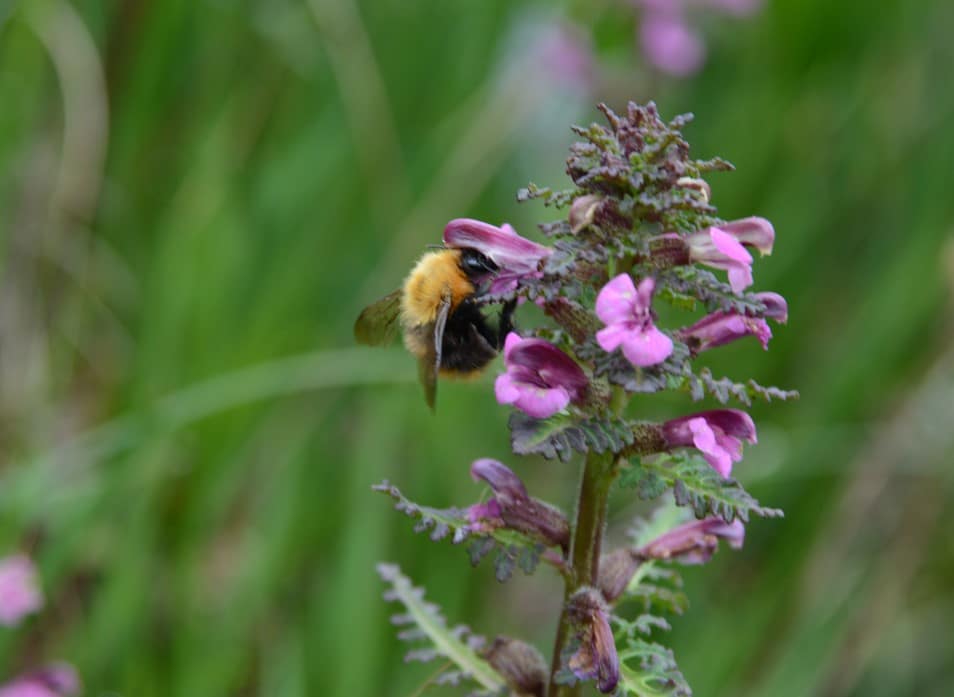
(584, 553)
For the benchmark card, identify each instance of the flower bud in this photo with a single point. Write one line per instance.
(521, 665)
(616, 571)
(596, 658)
(694, 542)
(700, 185)
(583, 211)
(720, 328)
(512, 507)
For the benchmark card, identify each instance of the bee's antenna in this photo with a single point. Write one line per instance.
(435, 246)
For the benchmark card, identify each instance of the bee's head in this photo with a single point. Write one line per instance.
(476, 266)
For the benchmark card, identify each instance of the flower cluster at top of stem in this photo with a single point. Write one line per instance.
(639, 230)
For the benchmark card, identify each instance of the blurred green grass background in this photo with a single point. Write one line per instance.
(197, 198)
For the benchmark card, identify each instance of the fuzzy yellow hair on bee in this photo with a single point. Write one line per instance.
(443, 326)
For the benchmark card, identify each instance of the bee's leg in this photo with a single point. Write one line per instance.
(506, 322)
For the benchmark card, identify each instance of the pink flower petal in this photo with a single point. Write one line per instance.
(505, 390)
(671, 45)
(20, 593)
(740, 278)
(513, 339)
(616, 302)
(504, 247)
(705, 440)
(729, 246)
(647, 347)
(542, 402)
(612, 337)
(644, 294)
(753, 232)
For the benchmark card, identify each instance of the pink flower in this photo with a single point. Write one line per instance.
(540, 380)
(56, 680)
(717, 434)
(671, 44)
(512, 507)
(775, 306)
(564, 52)
(516, 257)
(626, 312)
(694, 542)
(20, 594)
(723, 247)
(720, 328)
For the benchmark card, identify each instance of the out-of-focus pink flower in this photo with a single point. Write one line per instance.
(668, 39)
(627, 313)
(55, 680)
(671, 44)
(516, 257)
(564, 52)
(694, 542)
(540, 380)
(720, 328)
(512, 507)
(717, 434)
(20, 592)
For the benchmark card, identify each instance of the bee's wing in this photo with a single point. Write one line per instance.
(378, 322)
(429, 364)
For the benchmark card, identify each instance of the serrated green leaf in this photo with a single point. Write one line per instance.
(696, 484)
(562, 435)
(441, 640)
(648, 669)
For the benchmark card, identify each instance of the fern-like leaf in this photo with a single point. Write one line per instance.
(695, 484)
(429, 628)
(562, 435)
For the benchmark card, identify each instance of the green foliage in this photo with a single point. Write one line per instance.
(458, 644)
(562, 435)
(695, 484)
(649, 670)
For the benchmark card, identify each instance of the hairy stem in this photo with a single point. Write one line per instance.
(584, 553)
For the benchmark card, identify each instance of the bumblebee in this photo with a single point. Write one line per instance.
(442, 324)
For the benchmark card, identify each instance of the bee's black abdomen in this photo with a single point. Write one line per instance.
(469, 341)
